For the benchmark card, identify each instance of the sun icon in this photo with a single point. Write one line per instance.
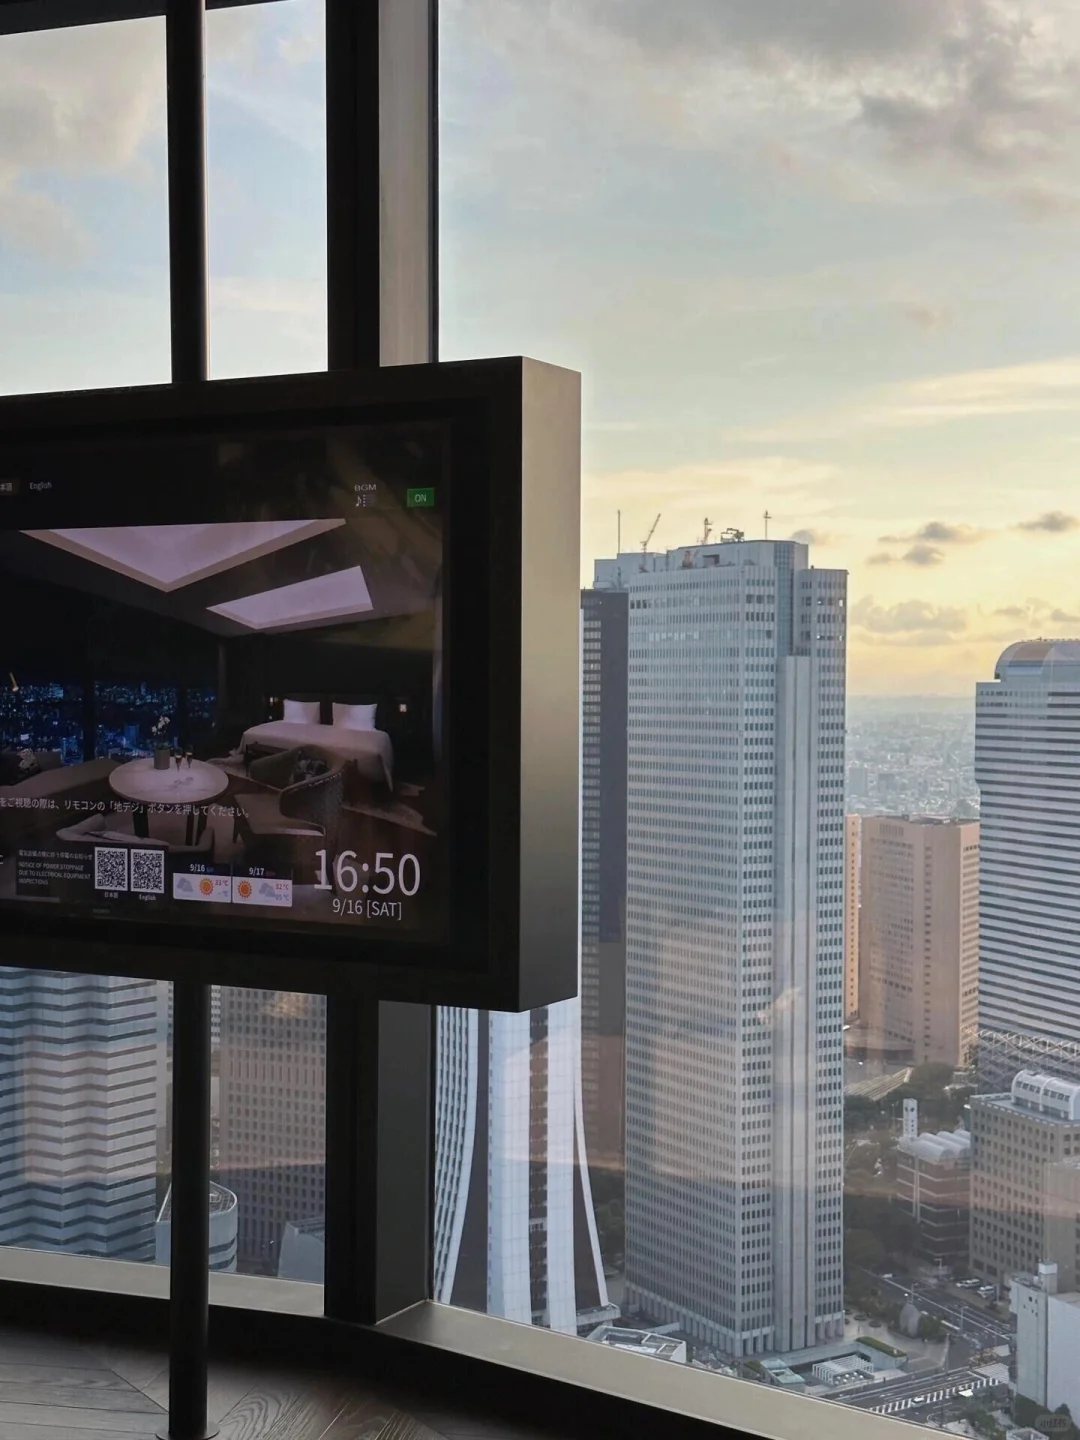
(244, 890)
(206, 887)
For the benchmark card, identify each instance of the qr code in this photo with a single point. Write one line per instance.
(110, 869)
(148, 872)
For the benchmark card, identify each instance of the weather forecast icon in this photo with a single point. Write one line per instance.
(212, 889)
(262, 890)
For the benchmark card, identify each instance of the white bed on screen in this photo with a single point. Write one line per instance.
(371, 750)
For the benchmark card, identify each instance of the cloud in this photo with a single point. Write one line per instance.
(1053, 522)
(923, 555)
(926, 318)
(938, 532)
(82, 98)
(812, 537)
(75, 101)
(1041, 387)
(908, 617)
(42, 227)
(1036, 612)
(920, 555)
(772, 32)
(857, 96)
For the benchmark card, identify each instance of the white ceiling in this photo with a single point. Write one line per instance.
(168, 557)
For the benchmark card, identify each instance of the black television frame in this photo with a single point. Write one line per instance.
(512, 559)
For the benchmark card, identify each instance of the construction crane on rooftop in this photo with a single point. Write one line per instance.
(645, 542)
(689, 556)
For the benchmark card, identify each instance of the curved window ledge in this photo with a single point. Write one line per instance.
(510, 1367)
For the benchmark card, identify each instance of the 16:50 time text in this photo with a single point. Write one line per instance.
(389, 874)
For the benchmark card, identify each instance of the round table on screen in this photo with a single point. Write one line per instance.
(140, 782)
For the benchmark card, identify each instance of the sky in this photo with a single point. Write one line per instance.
(818, 259)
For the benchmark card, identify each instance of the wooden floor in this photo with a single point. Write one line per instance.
(56, 1388)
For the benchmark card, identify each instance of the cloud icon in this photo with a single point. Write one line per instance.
(185, 885)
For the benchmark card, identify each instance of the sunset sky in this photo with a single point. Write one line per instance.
(816, 258)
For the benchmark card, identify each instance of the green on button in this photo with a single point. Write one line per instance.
(420, 499)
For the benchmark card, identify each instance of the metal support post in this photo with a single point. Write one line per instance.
(189, 1273)
(382, 284)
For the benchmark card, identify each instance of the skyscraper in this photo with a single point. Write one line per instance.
(919, 945)
(735, 944)
(604, 634)
(272, 1116)
(514, 1229)
(80, 1069)
(852, 860)
(1027, 765)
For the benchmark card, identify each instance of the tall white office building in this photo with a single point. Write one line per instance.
(1027, 765)
(514, 1229)
(80, 1070)
(735, 943)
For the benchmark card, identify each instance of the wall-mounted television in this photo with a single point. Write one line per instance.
(288, 681)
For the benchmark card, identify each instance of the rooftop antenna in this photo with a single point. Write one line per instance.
(690, 555)
(767, 517)
(645, 543)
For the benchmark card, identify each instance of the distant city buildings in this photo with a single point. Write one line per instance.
(919, 939)
(515, 1234)
(852, 854)
(223, 1230)
(911, 755)
(735, 943)
(80, 1070)
(933, 1186)
(604, 623)
(1027, 760)
(1047, 1342)
(1018, 1138)
(272, 1135)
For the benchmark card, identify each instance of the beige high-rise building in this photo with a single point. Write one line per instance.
(919, 938)
(1023, 1185)
(852, 840)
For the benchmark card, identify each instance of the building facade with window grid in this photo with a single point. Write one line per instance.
(735, 945)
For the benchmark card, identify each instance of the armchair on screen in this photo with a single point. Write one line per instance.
(95, 830)
(298, 813)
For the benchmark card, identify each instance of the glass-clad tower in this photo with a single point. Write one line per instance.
(1027, 764)
(735, 943)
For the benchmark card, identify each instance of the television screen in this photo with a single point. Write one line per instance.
(221, 679)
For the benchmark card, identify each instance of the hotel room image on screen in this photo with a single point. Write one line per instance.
(221, 681)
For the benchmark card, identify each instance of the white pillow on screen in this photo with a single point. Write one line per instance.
(355, 717)
(301, 712)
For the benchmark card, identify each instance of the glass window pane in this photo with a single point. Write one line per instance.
(266, 118)
(817, 264)
(269, 1117)
(82, 1091)
(84, 287)
(83, 208)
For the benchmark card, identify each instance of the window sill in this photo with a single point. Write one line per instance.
(87, 1273)
(485, 1362)
(678, 1390)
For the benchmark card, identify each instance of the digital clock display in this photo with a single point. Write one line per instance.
(221, 679)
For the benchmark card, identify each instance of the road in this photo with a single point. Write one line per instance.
(969, 1318)
(921, 1392)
